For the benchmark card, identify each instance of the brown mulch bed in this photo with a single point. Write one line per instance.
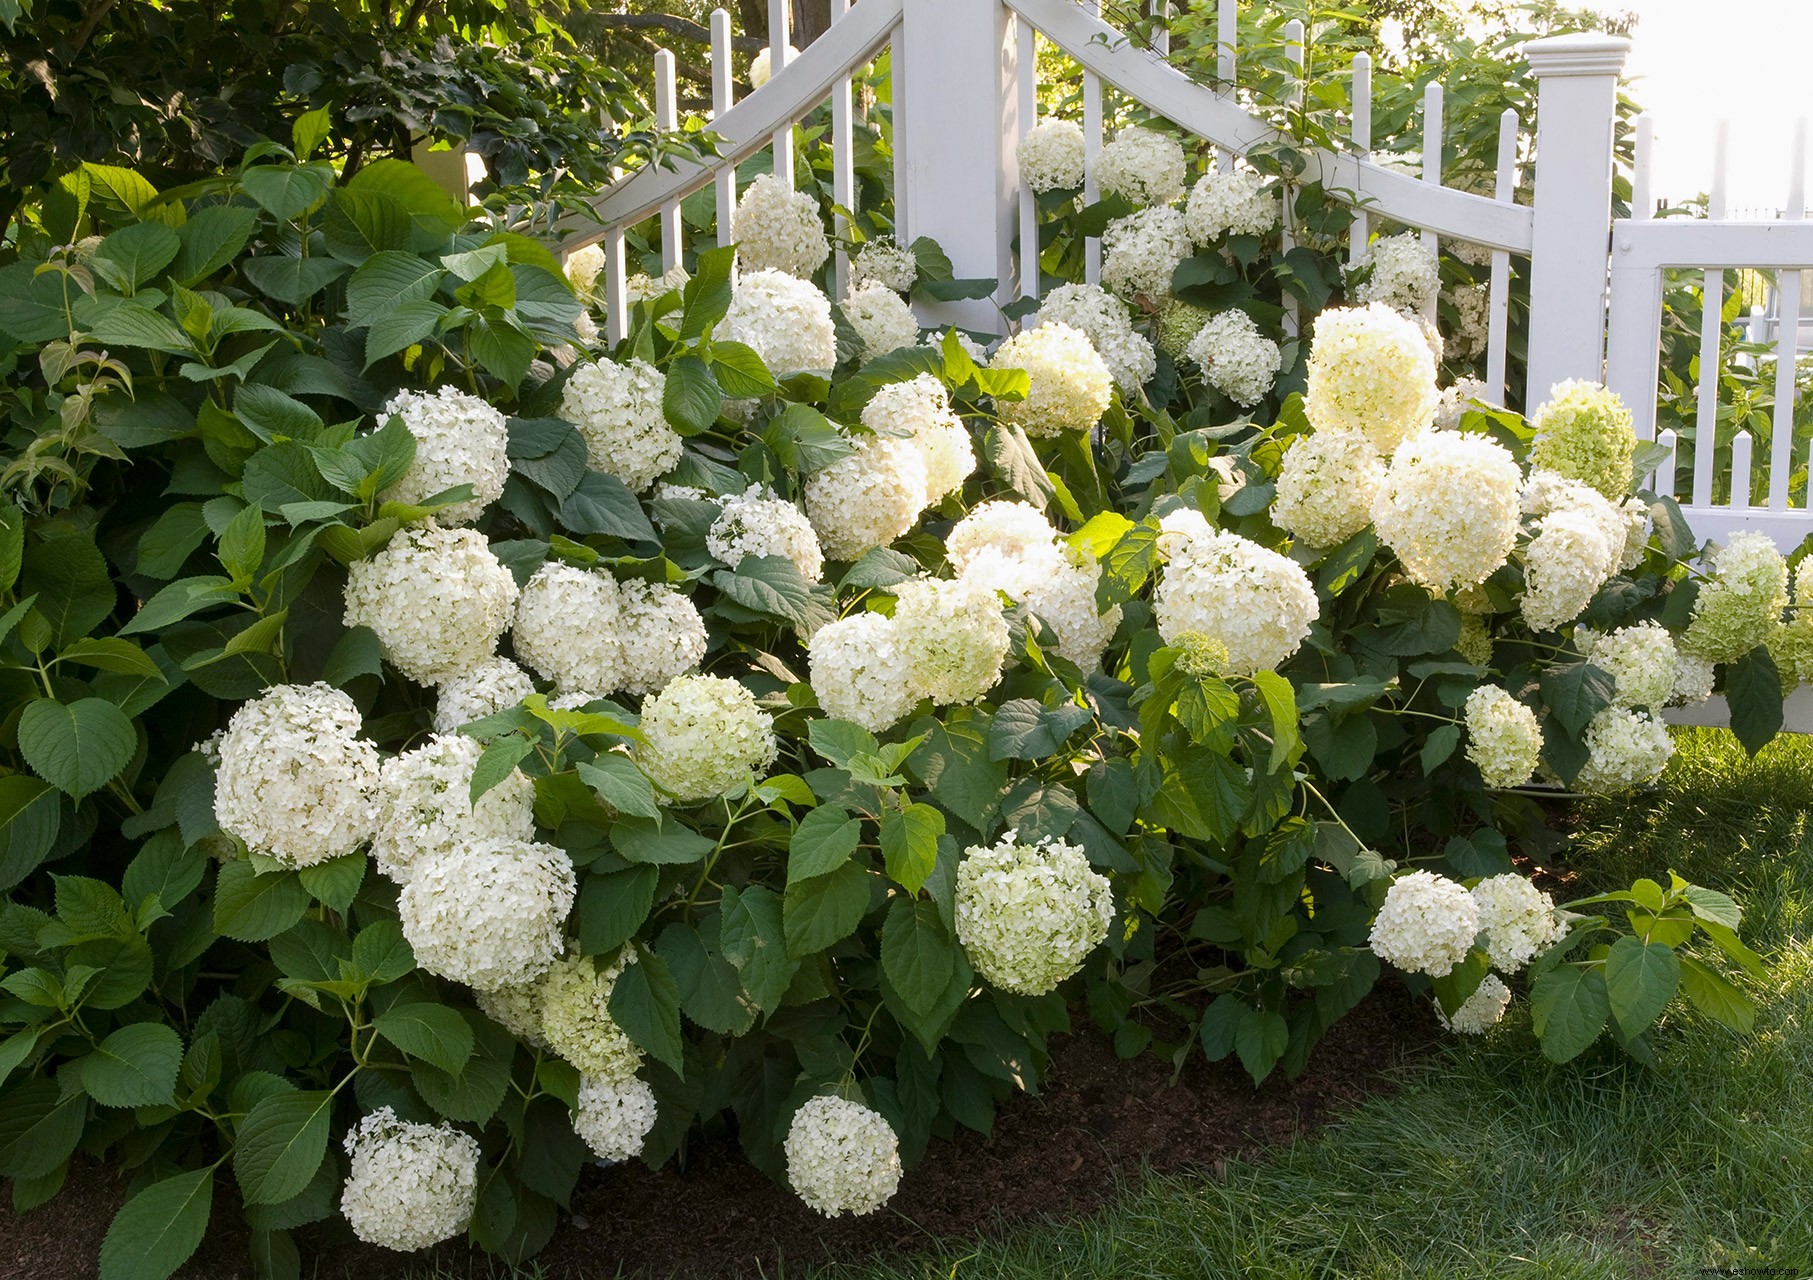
(1060, 1154)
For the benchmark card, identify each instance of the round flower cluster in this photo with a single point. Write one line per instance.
(1029, 915)
(1427, 924)
(785, 321)
(922, 406)
(887, 262)
(1230, 204)
(1249, 598)
(425, 807)
(1503, 737)
(590, 634)
(1472, 321)
(488, 914)
(953, 635)
(1070, 384)
(1405, 274)
(1579, 543)
(881, 320)
(702, 735)
(1456, 401)
(1584, 432)
(1141, 250)
(1625, 749)
(494, 685)
(1142, 166)
(614, 1117)
(1640, 660)
(1235, 358)
(841, 1157)
(1371, 371)
(1006, 546)
(761, 66)
(869, 497)
(860, 672)
(1178, 324)
(1481, 1011)
(1518, 918)
(1742, 606)
(643, 287)
(1097, 313)
(1065, 600)
(576, 1021)
(663, 637)
(756, 523)
(295, 780)
(459, 439)
(1326, 487)
(517, 1009)
(1448, 508)
(1051, 156)
(1475, 643)
(1200, 657)
(582, 268)
(409, 1185)
(617, 408)
(778, 229)
(437, 599)
(1693, 680)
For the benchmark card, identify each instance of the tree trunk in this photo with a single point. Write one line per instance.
(755, 18)
(811, 19)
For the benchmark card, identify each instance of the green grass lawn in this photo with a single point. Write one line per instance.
(1494, 1162)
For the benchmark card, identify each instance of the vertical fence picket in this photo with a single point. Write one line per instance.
(1227, 36)
(1787, 334)
(1293, 48)
(1642, 175)
(1665, 470)
(616, 296)
(1432, 165)
(1706, 403)
(723, 97)
(780, 35)
(667, 120)
(1498, 292)
(1028, 39)
(1161, 37)
(1092, 147)
(1740, 469)
(843, 162)
(1361, 103)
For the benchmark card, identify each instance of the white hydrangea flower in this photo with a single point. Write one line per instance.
(615, 1117)
(408, 1186)
(1051, 155)
(702, 735)
(582, 268)
(1235, 358)
(643, 287)
(841, 1157)
(881, 320)
(778, 229)
(1584, 432)
(1103, 318)
(922, 406)
(295, 780)
(494, 685)
(1625, 749)
(971, 348)
(1326, 487)
(1143, 166)
(1518, 918)
(662, 637)
(1029, 915)
(1230, 204)
(1065, 600)
(569, 627)
(1371, 371)
(887, 262)
(1466, 394)
(1257, 603)
(1070, 383)
(438, 600)
(1141, 250)
(517, 1009)
(1481, 1011)
(1448, 508)
(576, 1016)
(425, 806)
(1472, 321)
(786, 321)
(860, 673)
(1503, 737)
(761, 66)
(1005, 545)
(617, 408)
(953, 635)
(868, 498)
(1427, 924)
(1579, 544)
(757, 523)
(1405, 273)
(1641, 661)
(1741, 607)
(459, 439)
(1693, 680)
(488, 915)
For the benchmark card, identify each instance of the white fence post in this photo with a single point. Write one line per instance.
(1576, 107)
(957, 175)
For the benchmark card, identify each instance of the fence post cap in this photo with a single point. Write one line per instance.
(1580, 53)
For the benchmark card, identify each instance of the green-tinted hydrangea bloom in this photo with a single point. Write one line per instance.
(1584, 432)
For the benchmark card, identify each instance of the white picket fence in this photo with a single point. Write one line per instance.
(964, 93)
